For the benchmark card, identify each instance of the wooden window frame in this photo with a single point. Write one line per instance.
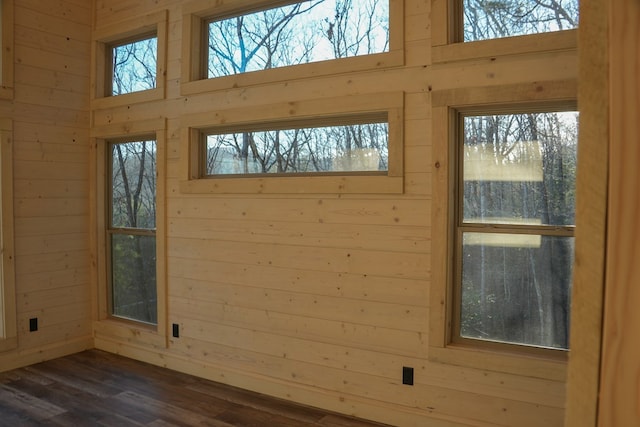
(6, 68)
(198, 12)
(154, 335)
(509, 358)
(332, 109)
(105, 38)
(447, 47)
(8, 319)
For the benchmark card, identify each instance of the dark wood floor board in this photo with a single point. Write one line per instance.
(95, 388)
(28, 404)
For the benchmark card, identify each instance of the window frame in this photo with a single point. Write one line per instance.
(105, 38)
(106, 324)
(7, 65)
(8, 313)
(198, 12)
(112, 230)
(461, 227)
(443, 348)
(391, 182)
(447, 46)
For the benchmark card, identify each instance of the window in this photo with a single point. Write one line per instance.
(351, 144)
(226, 45)
(359, 146)
(130, 61)
(489, 19)
(514, 227)
(504, 164)
(299, 33)
(131, 235)
(133, 66)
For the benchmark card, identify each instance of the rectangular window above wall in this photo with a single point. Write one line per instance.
(298, 33)
(133, 65)
(491, 19)
(473, 29)
(130, 61)
(341, 145)
(228, 45)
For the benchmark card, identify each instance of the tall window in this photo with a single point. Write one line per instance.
(131, 233)
(133, 65)
(303, 32)
(489, 19)
(514, 227)
(359, 146)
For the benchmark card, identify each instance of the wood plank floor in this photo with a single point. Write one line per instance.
(95, 388)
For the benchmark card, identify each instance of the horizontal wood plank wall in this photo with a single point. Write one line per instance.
(322, 299)
(50, 114)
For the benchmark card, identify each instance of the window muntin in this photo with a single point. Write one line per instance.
(302, 32)
(516, 209)
(133, 65)
(131, 230)
(490, 19)
(358, 145)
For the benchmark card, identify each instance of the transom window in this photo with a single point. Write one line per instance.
(132, 230)
(489, 19)
(302, 32)
(349, 144)
(514, 227)
(134, 65)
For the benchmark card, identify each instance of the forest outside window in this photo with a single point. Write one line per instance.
(303, 32)
(514, 228)
(347, 145)
(131, 231)
(130, 61)
(491, 19)
(133, 65)
(227, 46)
(344, 145)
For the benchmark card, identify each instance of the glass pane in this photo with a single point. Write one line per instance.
(490, 19)
(352, 148)
(305, 32)
(133, 277)
(516, 288)
(133, 185)
(134, 66)
(520, 168)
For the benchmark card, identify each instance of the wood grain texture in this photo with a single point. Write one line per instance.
(620, 372)
(97, 388)
(591, 216)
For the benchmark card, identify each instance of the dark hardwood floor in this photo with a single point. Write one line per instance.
(95, 388)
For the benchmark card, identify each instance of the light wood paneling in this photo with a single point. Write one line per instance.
(321, 298)
(50, 112)
(620, 367)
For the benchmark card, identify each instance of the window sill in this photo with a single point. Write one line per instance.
(295, 72)
(128, 98)
(552, 367)
(483, 49)
(295, 185)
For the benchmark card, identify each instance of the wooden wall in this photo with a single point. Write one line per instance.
(619, 402)
(49, 112)
(322, 298)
